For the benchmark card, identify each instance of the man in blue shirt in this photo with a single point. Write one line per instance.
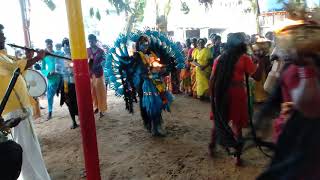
(60, 66)
(48, 69)
(67, 88)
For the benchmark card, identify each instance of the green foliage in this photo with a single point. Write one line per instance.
(138, 10)
(51, 5)
(184, 8)
(292, 1)
(95, 14)
(133, 9)
(254, 6)
(98, 16)
(206, 3)
(121, 5)
(167, 8)
(130, 7)
(91, 12)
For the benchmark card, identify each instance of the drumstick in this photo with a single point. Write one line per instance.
(49, 54)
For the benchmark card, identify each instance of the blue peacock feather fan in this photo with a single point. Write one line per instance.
(118, 56)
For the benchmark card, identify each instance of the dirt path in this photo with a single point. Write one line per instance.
(127, 151)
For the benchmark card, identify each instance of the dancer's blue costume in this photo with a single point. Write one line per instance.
(132, 76)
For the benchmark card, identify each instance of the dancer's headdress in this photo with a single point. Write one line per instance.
(303, 34)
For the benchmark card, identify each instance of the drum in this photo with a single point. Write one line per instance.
(36, 83)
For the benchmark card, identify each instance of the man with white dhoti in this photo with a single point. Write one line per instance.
(33, 167)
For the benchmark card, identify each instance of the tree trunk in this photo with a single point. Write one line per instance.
(129, 25)
(25, 13)
(257, 13)
(162, 19)
(258, 25)
(164, 25)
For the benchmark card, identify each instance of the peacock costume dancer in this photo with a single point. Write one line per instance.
(141, 74)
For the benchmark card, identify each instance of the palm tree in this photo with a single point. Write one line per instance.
(256, 9)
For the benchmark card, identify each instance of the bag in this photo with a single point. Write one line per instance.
(273, 76)
(11, 160)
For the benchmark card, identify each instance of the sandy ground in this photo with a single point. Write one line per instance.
(127, 151)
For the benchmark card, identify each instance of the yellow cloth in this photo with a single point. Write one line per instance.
(260, 95)
(35, 108)
(161, 87)
(19, 97)
(203, 57)
(193, 81)
(65, 87)
(147, 60)
(99, 93)
(194, 53)
(193, 73)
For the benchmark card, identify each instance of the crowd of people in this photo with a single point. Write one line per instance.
(254, 71)
(60, 77)
(201, 55)
(22, 157)
(224, 83)
(234, 76)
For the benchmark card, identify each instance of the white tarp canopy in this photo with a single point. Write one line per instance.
(226, 14)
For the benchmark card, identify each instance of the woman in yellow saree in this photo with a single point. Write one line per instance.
(203, 58)
(191, 54)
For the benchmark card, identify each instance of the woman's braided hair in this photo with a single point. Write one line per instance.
(235, 48)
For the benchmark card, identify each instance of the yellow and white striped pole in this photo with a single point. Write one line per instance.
(82, 82)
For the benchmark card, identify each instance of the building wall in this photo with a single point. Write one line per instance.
(269, 21)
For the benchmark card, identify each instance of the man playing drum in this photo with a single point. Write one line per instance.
(33, 167)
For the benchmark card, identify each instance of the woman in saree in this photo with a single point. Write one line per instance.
(203, 58)
(191, 57)
(185, 75)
